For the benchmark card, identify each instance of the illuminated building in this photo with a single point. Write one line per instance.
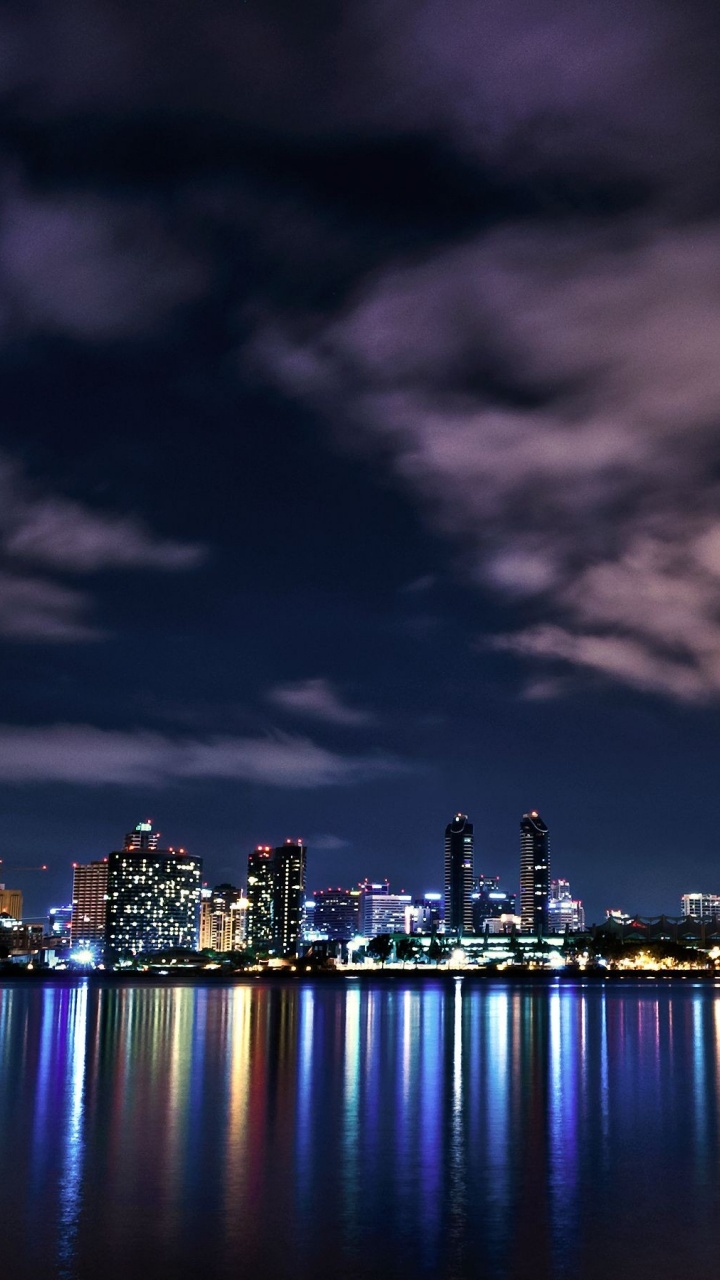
(382, 911)
(426, 914)
(222, 918)
(11, 902)
(704, 907)
(564, 911)
(490, 905)
(335, 914)
(260, 889)
(153, 896)
(276, 897)
(459, 876)
(59, 922)
(142, 836)
(534, 874)
(89, 903)
(288, 896)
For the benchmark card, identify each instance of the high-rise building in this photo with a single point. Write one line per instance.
(89, 903)
(153, 896)
(335, 914)
(260, 894)
(290, 861)
(11, 902)
(534, 874)
(222, 918)
(703, 907)
(276, 897)
(459, 876)
(381, 911)
(564, 911)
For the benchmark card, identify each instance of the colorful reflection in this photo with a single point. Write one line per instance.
(341, 1129)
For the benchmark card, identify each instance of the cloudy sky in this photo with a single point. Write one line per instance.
(360, 454)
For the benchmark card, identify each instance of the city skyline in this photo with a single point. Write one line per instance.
(89, 882)
(360, 437)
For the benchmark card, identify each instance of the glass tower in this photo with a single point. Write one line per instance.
(459, 876)
(534, 874)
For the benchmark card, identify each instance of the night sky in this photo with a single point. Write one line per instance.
(360, 461)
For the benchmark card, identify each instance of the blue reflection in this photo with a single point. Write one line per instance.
(74, 1147)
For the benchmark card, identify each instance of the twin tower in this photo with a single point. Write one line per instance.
(534, 875)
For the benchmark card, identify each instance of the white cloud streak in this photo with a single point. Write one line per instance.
(317, 699)
(85, 755)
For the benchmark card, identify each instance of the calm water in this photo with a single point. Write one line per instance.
(349, 1130)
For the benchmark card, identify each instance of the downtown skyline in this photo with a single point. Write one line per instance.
(360, 436)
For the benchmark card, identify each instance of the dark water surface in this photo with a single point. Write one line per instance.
(348, 1130)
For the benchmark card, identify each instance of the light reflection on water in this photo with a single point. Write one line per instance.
(338, 1130)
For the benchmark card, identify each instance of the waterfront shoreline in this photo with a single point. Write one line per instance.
(394, 977)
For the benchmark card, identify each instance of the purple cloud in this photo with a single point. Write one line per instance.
(317, 699)
(93, 268)
(95, 757)
(594, 494)
(35, 609)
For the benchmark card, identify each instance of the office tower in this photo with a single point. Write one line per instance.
(260, 894)
(276, 897)
(534, 874)
(11, 902)
(153, 896)
(89, 903)
(222, 913)
(142, 836)
(492, 907)
(381, 911)
(289, 861)
(336, 914)
(703, 907)
(459, 876)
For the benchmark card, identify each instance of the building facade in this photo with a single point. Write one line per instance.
(459, 876)
(493, 908)
(382, 911)
(704, 907)
(11, 902)
(335, 914)
(260, 897)
(276, 897)
(564, 911)
(222, 918)
(153, 897)
(534, 874)
(89, 903)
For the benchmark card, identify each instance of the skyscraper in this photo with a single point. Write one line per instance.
(534, 874)
(153, 896)
(459, 876)
(288, 896)
(260, 891)
(276, 897)
(89, 903)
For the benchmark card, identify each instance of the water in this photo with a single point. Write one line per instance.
(347, 1130)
